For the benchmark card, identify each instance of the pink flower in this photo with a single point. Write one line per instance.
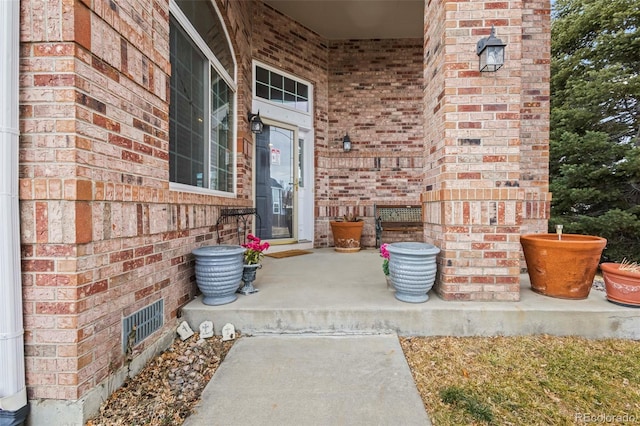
(255, 249)
(384, 252)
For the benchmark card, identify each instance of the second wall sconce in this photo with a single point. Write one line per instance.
(346, 143)
(255, 124)
(491, 52)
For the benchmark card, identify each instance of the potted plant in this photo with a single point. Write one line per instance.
(413, 268)
(622, 282)
(384, 253)
(347, 233)
(218, 272)
(562, 266)
(252, 256)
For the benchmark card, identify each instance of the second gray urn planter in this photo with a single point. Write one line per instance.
(412, 268)
(219, 272)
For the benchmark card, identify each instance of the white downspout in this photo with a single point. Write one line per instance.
(13, 395)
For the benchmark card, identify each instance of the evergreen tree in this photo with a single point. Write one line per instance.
(595, 135)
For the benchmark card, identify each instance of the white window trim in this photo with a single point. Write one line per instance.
(215, 63)
(274, 109)
(186, 25)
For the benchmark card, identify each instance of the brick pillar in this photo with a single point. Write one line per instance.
(534, 127)
(93, 120)
(473, 196)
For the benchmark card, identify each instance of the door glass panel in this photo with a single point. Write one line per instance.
(275, 182)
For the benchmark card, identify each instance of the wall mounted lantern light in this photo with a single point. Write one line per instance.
(491, 52)
(346, 143)
(255, 123)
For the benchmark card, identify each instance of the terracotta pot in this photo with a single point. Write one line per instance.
(346, 236)
(622, 287)
(562, 268)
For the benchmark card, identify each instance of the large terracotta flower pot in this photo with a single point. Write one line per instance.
(346, 236)
(622, 287)
(562, 267)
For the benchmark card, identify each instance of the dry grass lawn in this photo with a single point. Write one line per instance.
(533, 380)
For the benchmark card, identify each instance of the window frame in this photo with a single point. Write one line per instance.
(283, 74)
(214, 65)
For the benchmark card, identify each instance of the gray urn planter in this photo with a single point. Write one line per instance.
(248, 277)
(219, 272)
(412, 268)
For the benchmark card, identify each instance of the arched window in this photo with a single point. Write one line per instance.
(203, 99)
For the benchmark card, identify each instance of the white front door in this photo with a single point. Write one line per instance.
(284, 171)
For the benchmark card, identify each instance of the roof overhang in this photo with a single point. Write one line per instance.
(356, 19)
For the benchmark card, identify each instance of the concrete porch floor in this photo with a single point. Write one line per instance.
(337, 293)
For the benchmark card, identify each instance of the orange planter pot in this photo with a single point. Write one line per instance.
(346, 236)
(562, 268)
(622, 287)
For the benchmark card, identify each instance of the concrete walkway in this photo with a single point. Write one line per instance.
(321, 346)
(307, 380)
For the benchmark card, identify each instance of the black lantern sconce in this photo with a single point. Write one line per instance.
(346, 143)
(491, 52)
(255, 124)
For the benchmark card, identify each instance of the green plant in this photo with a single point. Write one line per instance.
(620, 228)
(351, 217)
(458, 397)
(594, 167)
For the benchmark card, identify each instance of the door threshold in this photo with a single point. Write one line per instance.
(300, 245)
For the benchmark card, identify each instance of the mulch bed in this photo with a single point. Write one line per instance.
(168, 387)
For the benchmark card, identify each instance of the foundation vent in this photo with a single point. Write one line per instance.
(146, 321)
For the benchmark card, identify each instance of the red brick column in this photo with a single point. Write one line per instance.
(474, 156)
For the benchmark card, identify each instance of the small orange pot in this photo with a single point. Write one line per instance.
(346, 236)
(622, 287)
(562, 268)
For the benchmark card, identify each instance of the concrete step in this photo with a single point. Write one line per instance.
(335, 293)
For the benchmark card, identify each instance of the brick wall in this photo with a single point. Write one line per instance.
(435, 107)
(291, 47)
(534, 125)
(474, 205)
(369, 88)
(102, 234)
(375, 95)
